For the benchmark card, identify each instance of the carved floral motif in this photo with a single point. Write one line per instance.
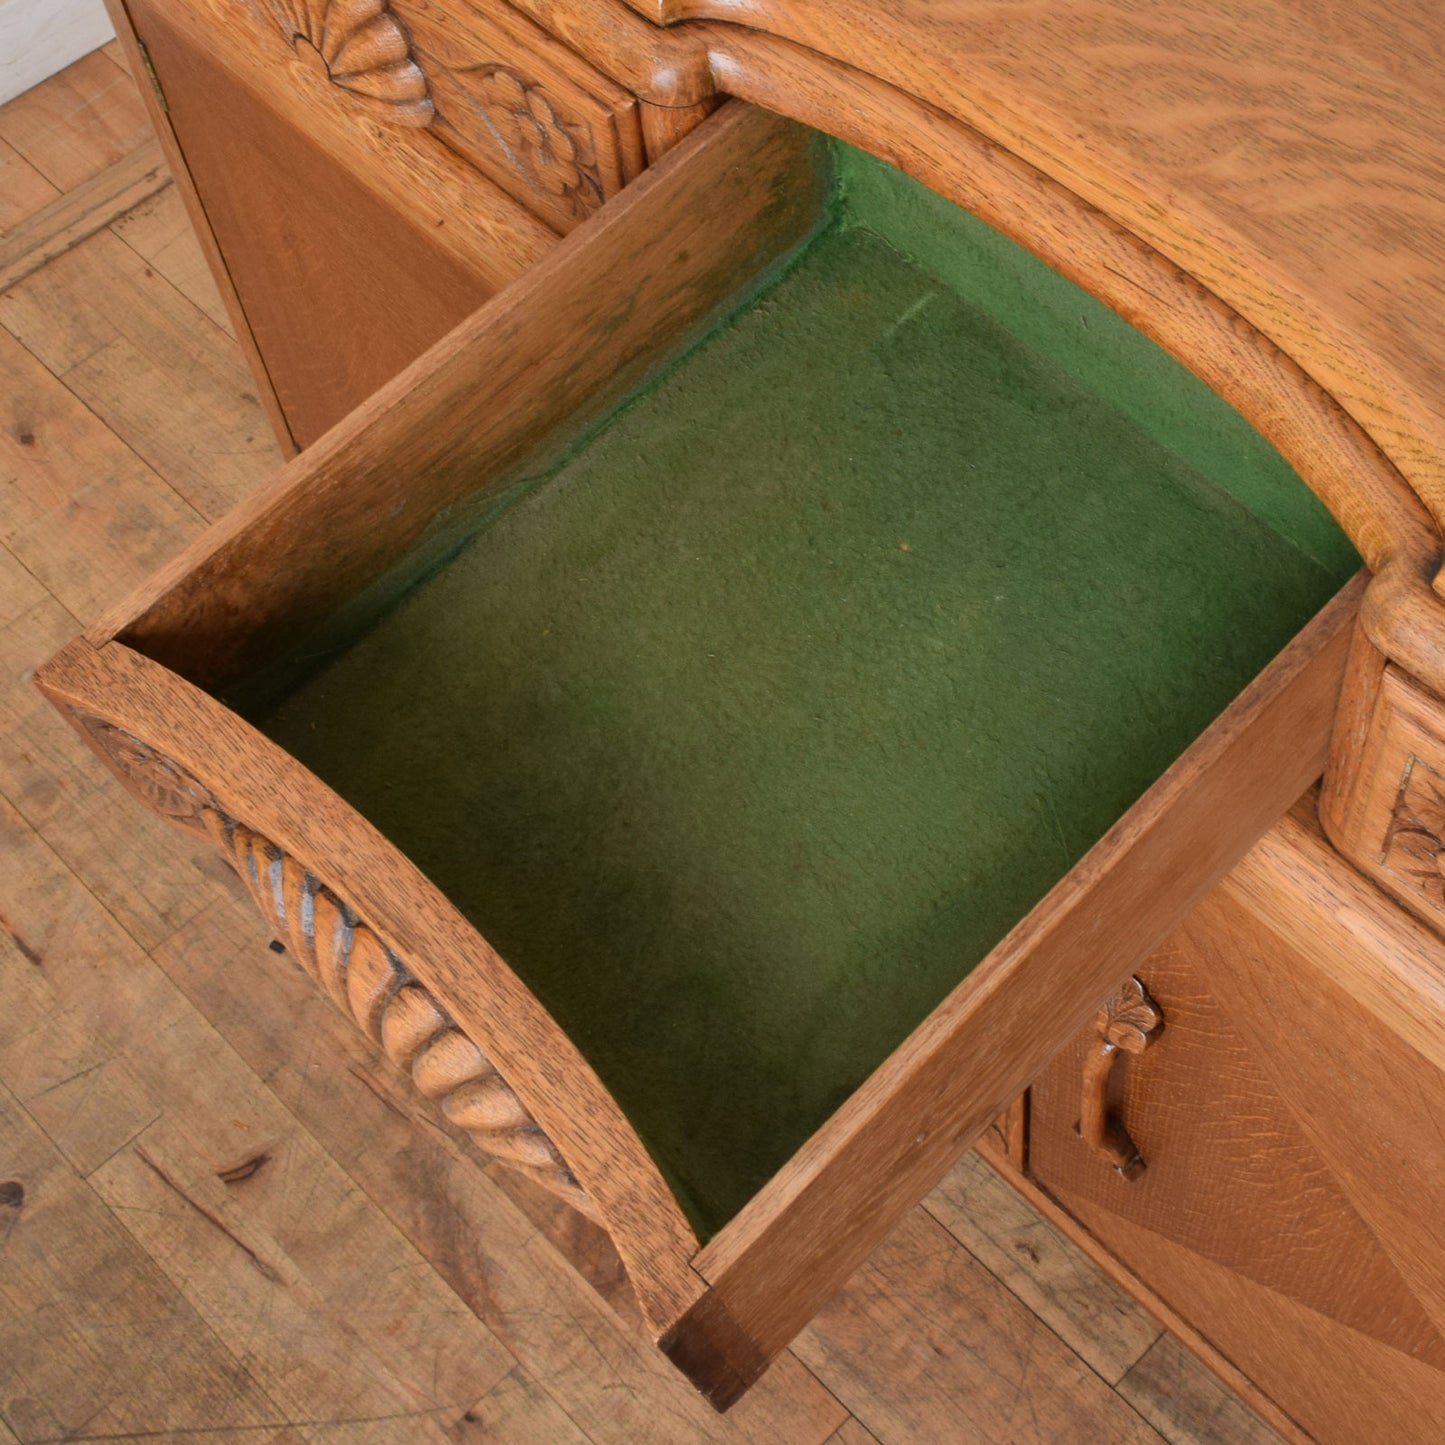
(365, 50)
(553, 154)
(363, 976)
(162, 785)
(1413, 846)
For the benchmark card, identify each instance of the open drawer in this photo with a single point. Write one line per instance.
(725, 716)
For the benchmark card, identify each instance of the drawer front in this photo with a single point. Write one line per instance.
(555, 133)
(1385, 808)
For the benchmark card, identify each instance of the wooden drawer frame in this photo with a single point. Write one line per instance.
(617, 295)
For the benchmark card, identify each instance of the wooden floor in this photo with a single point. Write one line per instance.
(220, 1215)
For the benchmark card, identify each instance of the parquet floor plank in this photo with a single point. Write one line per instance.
(83, 513)
(607, 1378)
(23, 190)
(79, 214)
(1186, 1404)
(1048, 1273)
(155, 369)
(924, 1344)
(160, 231)
(325, 1305)
(94, 1340)
(78, 122)
(519, 1411)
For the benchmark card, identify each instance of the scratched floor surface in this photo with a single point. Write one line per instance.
(220, 1215)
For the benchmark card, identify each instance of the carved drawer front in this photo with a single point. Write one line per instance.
(1388, 816)
(345, 957)
(555, 133)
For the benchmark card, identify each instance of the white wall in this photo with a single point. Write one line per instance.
(39, 37)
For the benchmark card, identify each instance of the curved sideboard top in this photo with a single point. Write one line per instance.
(1287, 153)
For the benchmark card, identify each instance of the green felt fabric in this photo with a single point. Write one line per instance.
(1094, 344)
(752, 730)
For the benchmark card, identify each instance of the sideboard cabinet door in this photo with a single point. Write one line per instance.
(1293, 1144)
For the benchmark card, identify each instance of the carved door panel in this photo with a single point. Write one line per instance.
(1293, 1188)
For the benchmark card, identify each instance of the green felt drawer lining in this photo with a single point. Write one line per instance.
(749, 727)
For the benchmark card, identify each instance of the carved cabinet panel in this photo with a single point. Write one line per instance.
(1294, 1174)
(368, 173)
(549, 128)
(1387, 812)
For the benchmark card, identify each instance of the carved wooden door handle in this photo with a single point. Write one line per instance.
(1129, 1022)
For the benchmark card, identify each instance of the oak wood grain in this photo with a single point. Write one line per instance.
(431, 190)
(597, 1362)
(1403, 1402)
(663, 126)
(171, 894)
(149, 883)
(1234, 1175)
(1195, 324)
(551, 129)
(198, 743)
(342, 280)
(1388, 963)
(1203, 325)
(1286, 155)
(662, 67)
(1285, 1108)
(1384, 803)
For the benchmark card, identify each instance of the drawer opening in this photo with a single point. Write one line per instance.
(747, 722)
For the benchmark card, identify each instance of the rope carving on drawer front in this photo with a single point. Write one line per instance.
(365, 50)
(363, 977)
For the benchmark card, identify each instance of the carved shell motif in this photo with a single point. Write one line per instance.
(366, 51)
(363, 977)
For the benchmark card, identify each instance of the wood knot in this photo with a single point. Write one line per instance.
(12, 1194)
(238, 1173)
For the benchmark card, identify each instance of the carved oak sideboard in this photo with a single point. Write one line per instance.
(1151, 361)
